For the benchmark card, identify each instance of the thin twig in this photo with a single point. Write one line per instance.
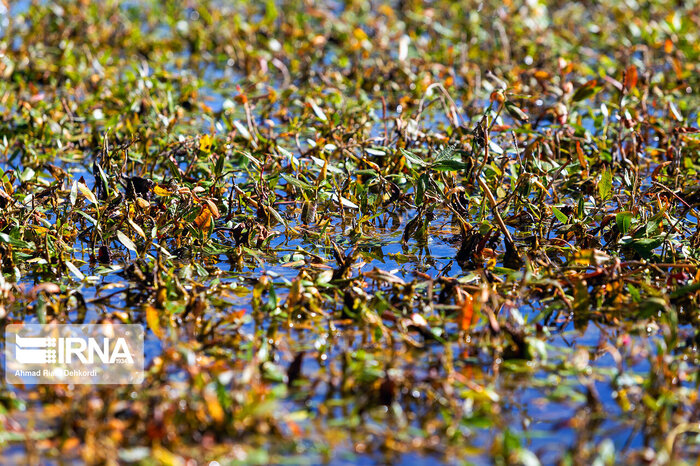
(493, 202)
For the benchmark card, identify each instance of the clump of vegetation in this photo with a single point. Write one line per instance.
(457, 231)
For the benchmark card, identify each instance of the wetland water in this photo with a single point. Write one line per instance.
(347, 241)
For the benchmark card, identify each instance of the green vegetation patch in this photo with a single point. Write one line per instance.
(358, 232)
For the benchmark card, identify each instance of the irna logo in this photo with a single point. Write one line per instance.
(105, 353)
(47, 350)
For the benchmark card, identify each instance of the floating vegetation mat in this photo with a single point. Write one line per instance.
(357, 232)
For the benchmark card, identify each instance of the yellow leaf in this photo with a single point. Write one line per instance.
(243, 291)
(143, 203)
(205, 143)
(161, 191)
(166, 458)
(386, 10)
(39, 229)
(542, 75)
(594, 257)
(359, 34)
(137, 229)
(161, 296)
(153, 321)
(69, 444)
(213, 209)
(668, 46)
(204, 218)
(322, 175)
(214, 407)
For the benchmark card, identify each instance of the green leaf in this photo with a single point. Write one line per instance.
(685, 290)
(377, 152)
(27, 174)
(75, 271)
(411, 157)
(644, 246)
(219, 167)
(89, 218)
(587, 90)
(581, 211)
(298, 183)
(74, 193)
(345, 202)
(516, 113)
(605, 184)
(447, 153)
(624, 221)
(449, 165)
(277, 216)
(242, 130)
(318, 111)
(652, 226)
(561, 216)
(495, 148)
(18, 243)
(421, 187)
(126, 241)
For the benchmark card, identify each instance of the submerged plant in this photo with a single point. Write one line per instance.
(386, 233)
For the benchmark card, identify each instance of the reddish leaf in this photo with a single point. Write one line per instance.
(631, 77)
(466, 312)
